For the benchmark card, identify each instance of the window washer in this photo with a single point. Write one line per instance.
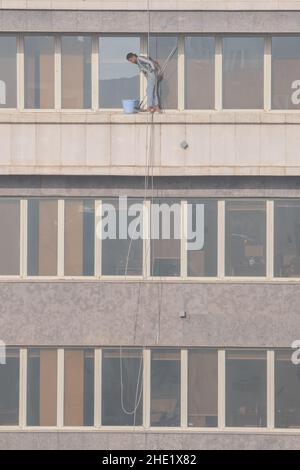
(151, 70)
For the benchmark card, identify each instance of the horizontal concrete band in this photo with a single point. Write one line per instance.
(153, 4)
(168, 117)
(160, 21)
(179, 186)
(177, 440)
(111, 313)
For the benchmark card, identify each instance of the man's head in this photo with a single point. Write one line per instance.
(132, 57)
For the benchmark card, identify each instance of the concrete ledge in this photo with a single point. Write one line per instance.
(168, 117)
(211, 170)
(137, 21)
(154, 4)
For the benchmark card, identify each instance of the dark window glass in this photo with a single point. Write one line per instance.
(287, 238)
(246, 388)
(245, 247)
(122, 387)
(165, 387)
(9, 388)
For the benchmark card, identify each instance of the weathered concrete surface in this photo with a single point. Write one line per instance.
(146, 440)
(132, 313)
(257, 143)
(153, 4)
(137, 21)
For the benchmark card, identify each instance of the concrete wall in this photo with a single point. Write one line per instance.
(114, 144)
(155, 441)
(160, 21)
(153, 4)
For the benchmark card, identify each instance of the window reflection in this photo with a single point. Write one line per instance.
(122, 387)
(246, 388)
(287, 238)
(165, 387)
(9, 388)
(287, 391)
(8, 72)
(9, 237)
(199, 72)
(285, 72)
(79, 237)
(243, 72)
(42, 237)
(245, 247)
(76, 71)
(118, 79)
(121, 255)
(203, 388)
(79, 387)
(163, 48)
(42, 387)
(39, 71)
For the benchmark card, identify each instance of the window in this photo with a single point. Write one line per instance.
(164, 50)
(118, 79)
(287, 391)
(165, 237)
(8, 72)
(165, 387)
(199, 72)
(243, 72)
(76, 72)
(203, 261)
(79, 387)
(9, 389)
(287, 238)
(203, 388)
(286, 72)
(9, 237)
(39, 71)
(245, 247)
(122, 387)
(246, 388)
(42, 237)
(41, 387)
(122, 254)
(79, 237)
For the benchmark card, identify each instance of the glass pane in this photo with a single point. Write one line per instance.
(164, 50)
(42, 237)
(286, 72)
(79, 237)
(9, 389)
(118, 79)
(122, 387)
(165, 237)
(41, 387)
(246, 388)
(79, 387)
(121, 253)
(9, 237)
(199, 72)
(165, 387)
(203, 260)
(243, 72)
(203, 388)
(8, 72)
(245, 247)
(287, 391)
(39, 71)
(76, 72)
(287, 238)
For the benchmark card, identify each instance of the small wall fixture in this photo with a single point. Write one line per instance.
(182, 314)
(184, 145)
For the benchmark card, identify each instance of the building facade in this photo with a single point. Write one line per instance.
(145, 343)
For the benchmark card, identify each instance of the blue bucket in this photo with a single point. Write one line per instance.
(130, 106)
